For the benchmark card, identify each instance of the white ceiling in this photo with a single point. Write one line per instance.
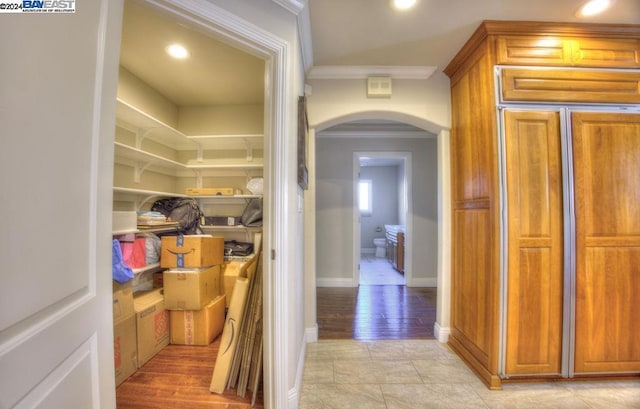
(215, 73)
(343, 32)
(370, 32)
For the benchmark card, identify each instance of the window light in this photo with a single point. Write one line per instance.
(365, 197)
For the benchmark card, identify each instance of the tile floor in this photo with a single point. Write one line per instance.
(378, 271)
(417, 374)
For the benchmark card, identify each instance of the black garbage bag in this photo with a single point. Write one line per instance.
(184, 210)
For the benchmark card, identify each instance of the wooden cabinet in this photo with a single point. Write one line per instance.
(562, 51)
(606, 151)
(545, 196)
(568, 85)
(535, 242)
(395, 249)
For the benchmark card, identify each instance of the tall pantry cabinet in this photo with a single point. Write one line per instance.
(545, 163)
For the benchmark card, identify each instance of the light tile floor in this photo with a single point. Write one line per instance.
(378, 271)
(416, 374)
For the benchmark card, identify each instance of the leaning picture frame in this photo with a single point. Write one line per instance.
(303, 135)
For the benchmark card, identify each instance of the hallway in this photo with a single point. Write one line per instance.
(414, 374)
(376, 351)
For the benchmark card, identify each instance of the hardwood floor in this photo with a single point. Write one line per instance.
(178, 377)
(372, 312)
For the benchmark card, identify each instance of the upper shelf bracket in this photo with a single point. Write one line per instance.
(141, 134)
(249, 150)
(198, 178)
(139, 170)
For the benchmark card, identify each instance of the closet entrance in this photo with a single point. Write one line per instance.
(189, 127)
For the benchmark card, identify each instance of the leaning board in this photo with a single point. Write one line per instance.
(229, 337)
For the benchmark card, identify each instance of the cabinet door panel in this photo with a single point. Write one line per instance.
(535, 243)
(606, 150)
(614, 53)
(534, 50)
(565, 85)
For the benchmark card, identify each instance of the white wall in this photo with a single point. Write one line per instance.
(422, 103)
(281, 23)
(335, 203)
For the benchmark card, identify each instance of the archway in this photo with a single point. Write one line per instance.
(441, 329)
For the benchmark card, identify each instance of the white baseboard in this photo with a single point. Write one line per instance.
(293, 396)
(424, 282)
(335, 282)
(311, 334)
(441, 333)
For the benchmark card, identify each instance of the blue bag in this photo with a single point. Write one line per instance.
(120, 271)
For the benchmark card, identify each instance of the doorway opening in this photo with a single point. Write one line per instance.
(347, 306)
(380, 215)
(212, 152)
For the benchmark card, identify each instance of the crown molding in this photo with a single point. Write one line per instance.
(342, 72)
(294, 6)
(304, 34)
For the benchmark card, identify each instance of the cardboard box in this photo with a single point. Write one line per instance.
(233, 270)
(198, 327)
(190, 289)
(229, 336)
(122, 301)
(125, 348)
(158, 280)
(210, 191)
(152, 324)
(192, 251)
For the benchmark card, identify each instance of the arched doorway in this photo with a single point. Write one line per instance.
(442, 218)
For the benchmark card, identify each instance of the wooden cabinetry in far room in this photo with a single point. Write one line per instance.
(395, 249)
(539, 256)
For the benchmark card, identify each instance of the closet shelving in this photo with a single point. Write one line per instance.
(160, 148)
(145, 127)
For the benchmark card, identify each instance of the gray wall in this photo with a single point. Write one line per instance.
(335, 202)
(384, 180)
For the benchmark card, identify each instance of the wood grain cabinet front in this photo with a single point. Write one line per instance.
(547, 50)
(545, 201)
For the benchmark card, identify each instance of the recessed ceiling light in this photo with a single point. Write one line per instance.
(594, 7)
(177, 51)
(403, 4)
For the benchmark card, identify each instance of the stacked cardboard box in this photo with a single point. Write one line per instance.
(152, 324)
(192, 287)
(124, 332)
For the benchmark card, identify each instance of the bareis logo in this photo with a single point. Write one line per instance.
(38, 6)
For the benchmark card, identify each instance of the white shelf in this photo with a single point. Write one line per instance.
(142, 192)
(148, 267)
(147, 126)
(122, 232)
(223, 197)
(133, 119)
(230, 228)
(229, 142)
(139, 159)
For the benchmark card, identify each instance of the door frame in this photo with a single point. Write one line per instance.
(406, 157)
(243, 34)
